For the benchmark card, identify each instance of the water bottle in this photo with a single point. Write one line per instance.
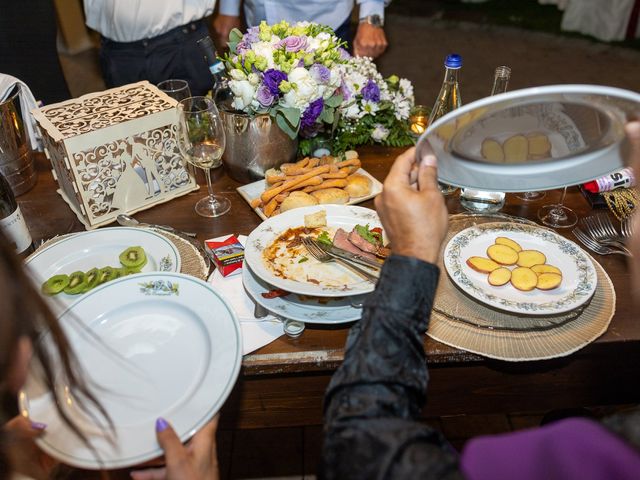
(448, 99)
(12, 222)
(221, 92)
(484, 201)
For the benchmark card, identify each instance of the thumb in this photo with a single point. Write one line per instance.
(428, 173)
(632, 130)
(175, 453)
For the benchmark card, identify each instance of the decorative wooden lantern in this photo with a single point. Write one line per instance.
(115, 151)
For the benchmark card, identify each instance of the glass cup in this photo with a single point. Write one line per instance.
(201, 140)
(175, 88)
(418, 120)
(557, 215)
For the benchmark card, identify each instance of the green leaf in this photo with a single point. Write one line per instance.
(333, 101)
(327, 115)
(288, 119)
(235, 36)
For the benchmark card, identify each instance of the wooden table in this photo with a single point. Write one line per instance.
(283, 383)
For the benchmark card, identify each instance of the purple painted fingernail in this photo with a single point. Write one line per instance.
(38, 425)
(161, 424)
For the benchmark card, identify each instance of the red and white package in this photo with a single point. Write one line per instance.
(228, 254)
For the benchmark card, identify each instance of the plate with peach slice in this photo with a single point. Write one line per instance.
(520, 268)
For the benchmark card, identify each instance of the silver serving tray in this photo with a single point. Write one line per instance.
(582, 125)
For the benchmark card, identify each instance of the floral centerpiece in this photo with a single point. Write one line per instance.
(289, 72)
(374, 110)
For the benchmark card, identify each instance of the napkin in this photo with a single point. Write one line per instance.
(256, 332)
(27, 103)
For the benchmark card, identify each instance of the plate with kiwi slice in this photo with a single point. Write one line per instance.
(75, 265)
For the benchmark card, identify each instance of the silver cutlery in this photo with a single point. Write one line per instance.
(601, 229)
(353, 257)
(128, 221)
(324, 256)
(626, 227)
(596, 247)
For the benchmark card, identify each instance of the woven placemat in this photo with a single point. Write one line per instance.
(192, 261)
(461, 322)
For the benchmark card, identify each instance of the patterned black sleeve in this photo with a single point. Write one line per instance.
(374, 399)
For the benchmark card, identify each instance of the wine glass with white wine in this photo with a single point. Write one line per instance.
(201, 141)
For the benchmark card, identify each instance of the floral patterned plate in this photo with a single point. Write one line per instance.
(579, 278)
(298, 272)
(101, 248)
(150, 345)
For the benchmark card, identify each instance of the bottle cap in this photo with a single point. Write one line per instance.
(453, 60)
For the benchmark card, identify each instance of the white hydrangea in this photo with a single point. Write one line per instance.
(264, 49)
(380, 133)
(243, 92)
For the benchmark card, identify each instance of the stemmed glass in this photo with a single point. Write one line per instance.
(201, 141)
(176, 89)
(531, 196)
(557, 215)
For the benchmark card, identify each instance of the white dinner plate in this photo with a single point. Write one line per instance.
(320, 310)
(340, 282)
(583, 124)
(253, 190)
(579, 279)
(155, 345)
(101, 248)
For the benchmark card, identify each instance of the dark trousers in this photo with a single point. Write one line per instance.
(174, 54)
(343, 32)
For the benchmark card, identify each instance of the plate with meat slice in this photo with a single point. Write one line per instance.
(276, 254)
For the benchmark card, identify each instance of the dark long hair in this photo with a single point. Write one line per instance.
(24, 312)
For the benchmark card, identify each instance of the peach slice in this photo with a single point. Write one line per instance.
(529, 258)
(524, 279)
(509, 243)
(482, 264)
(502, 254)
(548, 281)
(500, 276)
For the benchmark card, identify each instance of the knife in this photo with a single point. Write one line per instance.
(353, 257)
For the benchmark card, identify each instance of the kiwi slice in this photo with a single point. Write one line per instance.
(77, 282)
(106, 274)
(91, 279)
(133, 257)
(55, 284)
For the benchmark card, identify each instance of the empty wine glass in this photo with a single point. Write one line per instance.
(201, 141)
(176, 89)
(531, 196)
(557, 215)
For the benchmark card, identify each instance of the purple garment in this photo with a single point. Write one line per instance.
(577, 449)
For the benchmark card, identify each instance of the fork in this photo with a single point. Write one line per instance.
(596, 247)
(323, 256)
(627, 227)
(601, 229)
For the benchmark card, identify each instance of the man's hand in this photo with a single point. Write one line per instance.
(370, 41)
(197, 461)
(632, 129)
(412, 209)
(222, 25)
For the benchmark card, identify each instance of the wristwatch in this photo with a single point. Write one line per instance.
(375, 20)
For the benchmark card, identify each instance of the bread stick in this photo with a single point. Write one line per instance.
(256, 202)
(281, 196)
(349, 163)
(342, 173)
(272, 192)
(270, 207)
(334, 182)
(313, 162)
(294, 169)
(317, 180)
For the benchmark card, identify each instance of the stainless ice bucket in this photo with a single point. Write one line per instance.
(16, 162)
(254, 145)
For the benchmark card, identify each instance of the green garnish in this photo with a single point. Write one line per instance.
(367, 234)
(303, 259)
(325, 239)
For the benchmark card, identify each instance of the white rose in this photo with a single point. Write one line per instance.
(254, 79)
(237, 74)
(304, 89)
(264, 49)
(243, 92)
(379, 133)
(352, 111)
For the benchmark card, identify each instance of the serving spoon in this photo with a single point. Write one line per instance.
(128, 221)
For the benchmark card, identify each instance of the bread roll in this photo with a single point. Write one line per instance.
(296, 200)
(331, 195)
(358, 185)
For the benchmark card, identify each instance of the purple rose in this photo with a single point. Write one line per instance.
(371, 91)
(294, 43)
(272, 79)
(252, 35)
(264, 96)
(320, 73)
(311, 114)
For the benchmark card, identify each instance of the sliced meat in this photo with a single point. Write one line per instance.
(341, 240)
(383, 252)
(361, 243)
